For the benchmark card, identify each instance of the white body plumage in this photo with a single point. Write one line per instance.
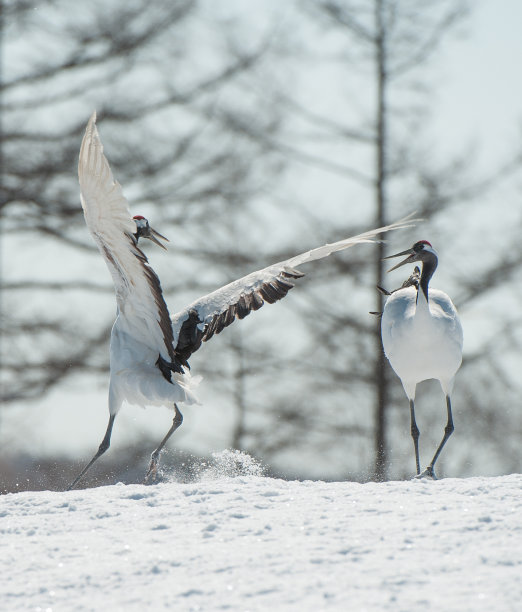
(422, 340)
(135, 376)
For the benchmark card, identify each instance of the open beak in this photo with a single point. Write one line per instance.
(410, 259)
(153, 235)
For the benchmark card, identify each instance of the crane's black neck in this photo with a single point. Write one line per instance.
(429, 265)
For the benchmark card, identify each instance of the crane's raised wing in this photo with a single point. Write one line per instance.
(210, 314)
(138, 290)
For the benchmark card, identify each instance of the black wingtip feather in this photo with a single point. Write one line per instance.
(191, 336)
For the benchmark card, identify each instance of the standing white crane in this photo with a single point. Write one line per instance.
(422, 338)
(149, 351)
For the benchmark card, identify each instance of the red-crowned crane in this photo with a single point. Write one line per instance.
(422, 338)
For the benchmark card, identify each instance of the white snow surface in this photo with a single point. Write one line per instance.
(250, 543)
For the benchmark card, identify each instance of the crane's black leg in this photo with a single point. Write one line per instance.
(415, 435)
(154, 458)
(104, 445)
(448, 430)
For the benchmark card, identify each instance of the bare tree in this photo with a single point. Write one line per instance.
(382, 48)
(170, 147)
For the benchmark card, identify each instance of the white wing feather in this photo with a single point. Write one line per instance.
(141, 306)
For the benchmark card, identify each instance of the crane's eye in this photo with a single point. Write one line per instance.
(419, 246)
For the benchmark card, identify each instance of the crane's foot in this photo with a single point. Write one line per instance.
(152, 472)
(429, 473)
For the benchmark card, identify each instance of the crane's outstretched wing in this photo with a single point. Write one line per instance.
(138, 290)
(210, 314)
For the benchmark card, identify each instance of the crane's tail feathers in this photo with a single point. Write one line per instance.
(188, 383)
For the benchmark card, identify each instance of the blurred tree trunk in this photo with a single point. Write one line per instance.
(240, 396)
(381, 382)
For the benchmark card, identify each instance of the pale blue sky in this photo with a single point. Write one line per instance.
(479, 98)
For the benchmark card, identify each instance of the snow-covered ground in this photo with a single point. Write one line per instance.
(254, 543)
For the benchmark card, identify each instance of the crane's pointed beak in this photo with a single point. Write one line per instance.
(153, 235)
(410, 259)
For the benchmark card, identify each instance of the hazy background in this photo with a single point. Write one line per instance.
(248, 132)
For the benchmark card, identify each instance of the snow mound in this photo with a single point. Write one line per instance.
(250, 543)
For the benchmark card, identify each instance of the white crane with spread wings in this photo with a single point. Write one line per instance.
(149, 350)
